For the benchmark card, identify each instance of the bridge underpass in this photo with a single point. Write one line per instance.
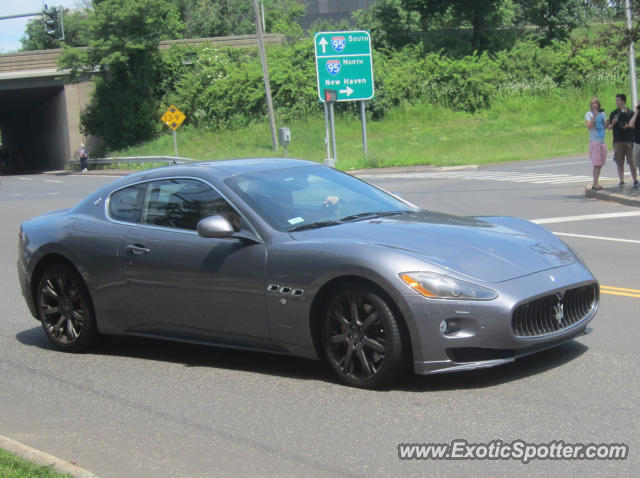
(32, 124)
(40, 114)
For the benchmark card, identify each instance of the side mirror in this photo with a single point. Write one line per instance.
(215, 227)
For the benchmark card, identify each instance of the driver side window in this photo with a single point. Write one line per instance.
(182, 203)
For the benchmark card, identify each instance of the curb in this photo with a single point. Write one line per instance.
(43, 459)
(372, 171)
(628, 199)
(93, 172)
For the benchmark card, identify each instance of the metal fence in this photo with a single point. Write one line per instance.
(135, 160)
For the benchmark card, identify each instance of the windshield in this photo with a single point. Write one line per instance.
(311, 196)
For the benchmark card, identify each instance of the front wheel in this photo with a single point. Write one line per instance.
(361, 338)
(65, 309)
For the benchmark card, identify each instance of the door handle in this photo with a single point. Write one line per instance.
(137, 249)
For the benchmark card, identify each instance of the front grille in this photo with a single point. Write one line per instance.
(554, 312)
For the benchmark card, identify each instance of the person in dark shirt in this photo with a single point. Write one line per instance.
(635, 124)
(619, 122)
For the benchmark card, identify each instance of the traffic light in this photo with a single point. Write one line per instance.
(51, 17)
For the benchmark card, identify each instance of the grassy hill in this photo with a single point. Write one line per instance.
(517, 127)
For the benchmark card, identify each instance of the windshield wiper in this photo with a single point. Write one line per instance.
(313, 225)
(371, 215)
(351, 218)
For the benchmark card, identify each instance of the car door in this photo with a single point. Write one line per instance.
(186, 284)
(102, 242)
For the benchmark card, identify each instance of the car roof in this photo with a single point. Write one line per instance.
(222, 168)
(239, 166)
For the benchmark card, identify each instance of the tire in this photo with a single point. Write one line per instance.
(361, 338)
(65, 309)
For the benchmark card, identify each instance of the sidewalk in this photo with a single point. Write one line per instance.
(626, 195)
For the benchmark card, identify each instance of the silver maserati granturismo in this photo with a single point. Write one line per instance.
(292, 257)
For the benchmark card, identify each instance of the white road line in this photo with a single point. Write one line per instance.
(502, 176)
(586, 217)
(556, 165)
(52, 194)
(52, 181)
(599, 238)
(16, 194)
(536, 175)
(26, 179)
(565, 181)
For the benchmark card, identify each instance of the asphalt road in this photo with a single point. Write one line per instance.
(139, 408)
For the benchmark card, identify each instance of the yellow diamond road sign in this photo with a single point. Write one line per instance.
(173, 117)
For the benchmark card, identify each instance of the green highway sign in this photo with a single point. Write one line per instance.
(343, 64)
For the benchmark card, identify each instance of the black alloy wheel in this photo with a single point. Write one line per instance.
(361, 338)
(65, 309)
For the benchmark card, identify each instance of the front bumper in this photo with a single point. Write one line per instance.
(445, 366)
(484, 336)
(25, 287)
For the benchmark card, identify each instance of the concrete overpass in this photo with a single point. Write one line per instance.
(40, 114)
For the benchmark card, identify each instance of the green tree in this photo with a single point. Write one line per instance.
(480, 14)
(603, 9)
(232, 17)
(556, 19)
(75, 32)
(123, 50)
(389, 22)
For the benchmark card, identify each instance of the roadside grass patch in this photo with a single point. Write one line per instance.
(518, 126)
(12, 466)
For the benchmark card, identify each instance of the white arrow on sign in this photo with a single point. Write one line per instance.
(323, 43)
(348, 91)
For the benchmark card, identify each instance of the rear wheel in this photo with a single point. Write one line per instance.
(65, 309)
(361, 338)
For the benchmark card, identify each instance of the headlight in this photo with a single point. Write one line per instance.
(437, 286)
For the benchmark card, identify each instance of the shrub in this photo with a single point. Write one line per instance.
(223, 88)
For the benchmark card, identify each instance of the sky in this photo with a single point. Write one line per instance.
(12, 30)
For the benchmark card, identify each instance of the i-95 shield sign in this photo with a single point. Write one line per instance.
(333, 67)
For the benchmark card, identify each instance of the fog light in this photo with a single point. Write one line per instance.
(443, 327)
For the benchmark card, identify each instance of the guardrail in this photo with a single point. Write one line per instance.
(136, 159)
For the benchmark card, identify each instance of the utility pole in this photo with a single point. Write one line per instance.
(632, 59)
(265, 73)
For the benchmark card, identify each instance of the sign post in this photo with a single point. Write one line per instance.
(173, 118)
(330, 97)
(363, 114)
(175, 143)
(327, 138)
(344, 64)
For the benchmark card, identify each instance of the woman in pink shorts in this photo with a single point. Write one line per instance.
(596, 122)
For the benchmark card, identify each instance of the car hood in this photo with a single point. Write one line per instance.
(487, 250)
